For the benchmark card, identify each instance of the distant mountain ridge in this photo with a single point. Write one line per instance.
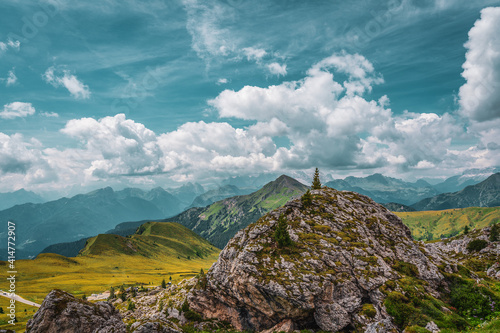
(484, 194)
(84, 215)
(218, 194)
(384, 189)
(18, 197)
(223, 219)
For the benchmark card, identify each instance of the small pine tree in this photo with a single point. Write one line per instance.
(163, 284)
(466, 230)
(111, 293)
(123, 296)
(494, 233)
(131, 306)
(84, 297)
(281, 234)
(1, 309)
(316, 184)
(170, 278)
(306, 199)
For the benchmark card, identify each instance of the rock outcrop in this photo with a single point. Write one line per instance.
(61, 312)
(454, 251)
(345, 249)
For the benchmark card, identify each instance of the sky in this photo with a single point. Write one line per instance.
(159, 93)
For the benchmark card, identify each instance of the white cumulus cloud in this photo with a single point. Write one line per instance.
(17, 110)
(479, 98)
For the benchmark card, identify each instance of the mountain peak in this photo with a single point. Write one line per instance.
(343, 254)
(284, 181)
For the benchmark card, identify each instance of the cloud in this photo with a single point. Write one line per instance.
(277, 69)
(319, 120)
(17, 110)
(63, 77)
(204, 25)
(254, 54)
(478, 97)
(9, 44)
(119, 146)
(11, 79)
(116, 146)
(332, 124)
(22, 162)
(222, 81)
(49, 114)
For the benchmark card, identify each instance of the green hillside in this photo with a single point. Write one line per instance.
(157, 251)
(446, 223)
(220, 221)
(155, 240)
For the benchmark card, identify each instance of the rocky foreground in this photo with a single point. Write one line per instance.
(352, 266)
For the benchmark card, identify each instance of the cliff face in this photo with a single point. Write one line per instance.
(345, 250)
(62, 312)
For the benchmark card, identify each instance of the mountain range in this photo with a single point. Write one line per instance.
(384, 189)
(84, 215)
(18, 197)
(484, 194)
(217, 194)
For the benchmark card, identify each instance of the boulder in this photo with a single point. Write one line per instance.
(61, 312)
(345, 247)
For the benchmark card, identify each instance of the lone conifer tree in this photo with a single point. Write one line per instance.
(494, 233)
(466, 230)
(163, 284)
(111, 293)
(281, 234)
(316, 185)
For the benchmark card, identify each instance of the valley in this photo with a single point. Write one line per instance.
(429, 225)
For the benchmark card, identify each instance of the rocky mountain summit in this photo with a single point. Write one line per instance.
(348, 255)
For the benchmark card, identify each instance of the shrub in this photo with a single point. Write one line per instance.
(281, 234)
(476, 245)
(397, 307)
(131, 306)
(494, 233)
(306, 199)
(405, 268)
(471, 300)
(369, 310)
(190, 314)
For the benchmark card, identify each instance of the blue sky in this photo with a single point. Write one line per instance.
(162, 92)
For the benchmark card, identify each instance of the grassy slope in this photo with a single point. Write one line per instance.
(220, 221)
(162, 250)
(448, 222)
